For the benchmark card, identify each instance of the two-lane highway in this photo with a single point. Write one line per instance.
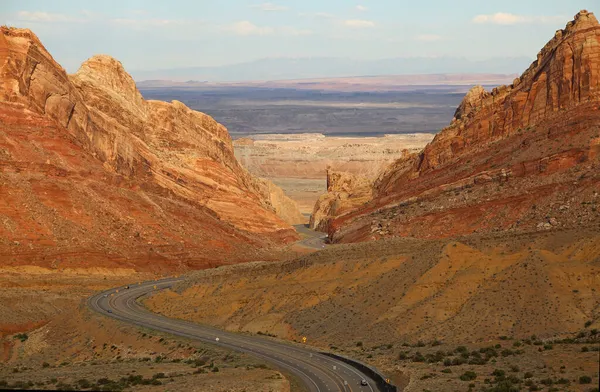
(318, 372)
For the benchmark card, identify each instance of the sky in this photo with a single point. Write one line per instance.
(157, 34)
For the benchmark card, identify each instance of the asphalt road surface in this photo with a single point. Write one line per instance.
(311, 239)
(318, 372)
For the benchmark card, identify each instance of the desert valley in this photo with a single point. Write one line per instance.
(419, 233)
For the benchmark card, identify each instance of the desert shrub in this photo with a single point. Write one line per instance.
(435, 358)
(403, 355)
(418, 357)
(515, 369)
(458, 361)
(215, 369)
(584, 349)
(547, 381)
(45, 365)
(498, 373)
(359, 344)
(588, 323)
(461, 349)
(22, 336)
(446, 370)
(468, 376)
(503, 386)
(84, 384)
(585, 380)
(61, 386)
(528, 375)
(158, 375)
(3, 383)
(477, 361)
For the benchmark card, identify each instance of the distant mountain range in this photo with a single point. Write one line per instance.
(290, 68)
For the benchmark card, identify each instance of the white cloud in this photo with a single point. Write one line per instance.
(248, 28)
(145, 23)
(429, 37)
(323, 15)
(358, 23)
(361, 8)
(270, 7)
(294, 31)
(503, 18)
(45, 17)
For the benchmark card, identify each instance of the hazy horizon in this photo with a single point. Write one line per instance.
(151, 35)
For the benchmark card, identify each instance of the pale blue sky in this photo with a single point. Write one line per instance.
(148, 35)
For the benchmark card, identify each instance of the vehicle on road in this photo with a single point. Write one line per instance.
(127, 287)
(364, 382)
(109, 311)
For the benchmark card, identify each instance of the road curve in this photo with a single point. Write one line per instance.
(318, 372)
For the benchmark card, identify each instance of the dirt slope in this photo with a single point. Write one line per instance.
(465, 290)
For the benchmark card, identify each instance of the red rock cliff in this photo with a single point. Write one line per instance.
(519, 157)
(164, 171)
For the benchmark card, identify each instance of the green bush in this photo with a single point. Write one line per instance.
(22, 336)
(446, 370)
(84, 384)
(585, 380)
(468, 376)
(215, 369)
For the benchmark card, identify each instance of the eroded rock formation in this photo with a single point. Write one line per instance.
(345, 192)
(520, 157)
(76, 149)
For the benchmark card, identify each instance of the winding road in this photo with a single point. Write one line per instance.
(317, 372)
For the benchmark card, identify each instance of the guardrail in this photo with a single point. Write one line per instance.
(379, 379)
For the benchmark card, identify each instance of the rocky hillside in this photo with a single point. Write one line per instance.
(520, 157)
(90, 172)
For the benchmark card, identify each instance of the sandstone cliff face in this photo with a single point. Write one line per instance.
(520, 157)
(284, 207)
(155, 149)
(345, 192)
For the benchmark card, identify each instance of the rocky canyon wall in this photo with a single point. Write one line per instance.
(521, 157)
(91, 170)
